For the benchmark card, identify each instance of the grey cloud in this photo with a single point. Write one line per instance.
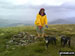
(24, 12)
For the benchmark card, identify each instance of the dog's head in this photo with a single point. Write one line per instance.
(68, 38)
(63, 36)
(46, 37)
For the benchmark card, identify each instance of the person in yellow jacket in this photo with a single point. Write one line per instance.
(40, 22)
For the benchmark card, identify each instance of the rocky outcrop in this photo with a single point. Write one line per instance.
(22, 38)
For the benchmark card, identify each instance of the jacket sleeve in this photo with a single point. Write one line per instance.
(37, 21)
(46, 22)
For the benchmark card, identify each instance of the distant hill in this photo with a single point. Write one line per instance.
(61, 21)
(3, 22)
(20, 24)
(6, 23)
(72, 19)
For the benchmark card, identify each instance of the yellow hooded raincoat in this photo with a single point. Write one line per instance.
(41, 20)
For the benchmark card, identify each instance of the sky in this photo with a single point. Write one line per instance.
(36, 2)
(27, 9)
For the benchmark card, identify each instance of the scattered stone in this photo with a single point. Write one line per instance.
(7, 46)
(22, 39)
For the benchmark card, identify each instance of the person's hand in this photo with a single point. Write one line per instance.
(46, 26)
(40, 26)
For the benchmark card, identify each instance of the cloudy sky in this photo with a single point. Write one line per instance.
(35, 2)
(27, 9)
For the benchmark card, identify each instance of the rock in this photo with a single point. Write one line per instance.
(22, 39)
(19, 36)
(11, 41)
(7, 46)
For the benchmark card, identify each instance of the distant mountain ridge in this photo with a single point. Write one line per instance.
(6, 23)
(61, 21)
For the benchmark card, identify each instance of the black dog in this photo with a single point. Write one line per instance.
(50, 39)
(65, 40)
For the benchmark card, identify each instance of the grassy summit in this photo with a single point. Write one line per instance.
(38, 48)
